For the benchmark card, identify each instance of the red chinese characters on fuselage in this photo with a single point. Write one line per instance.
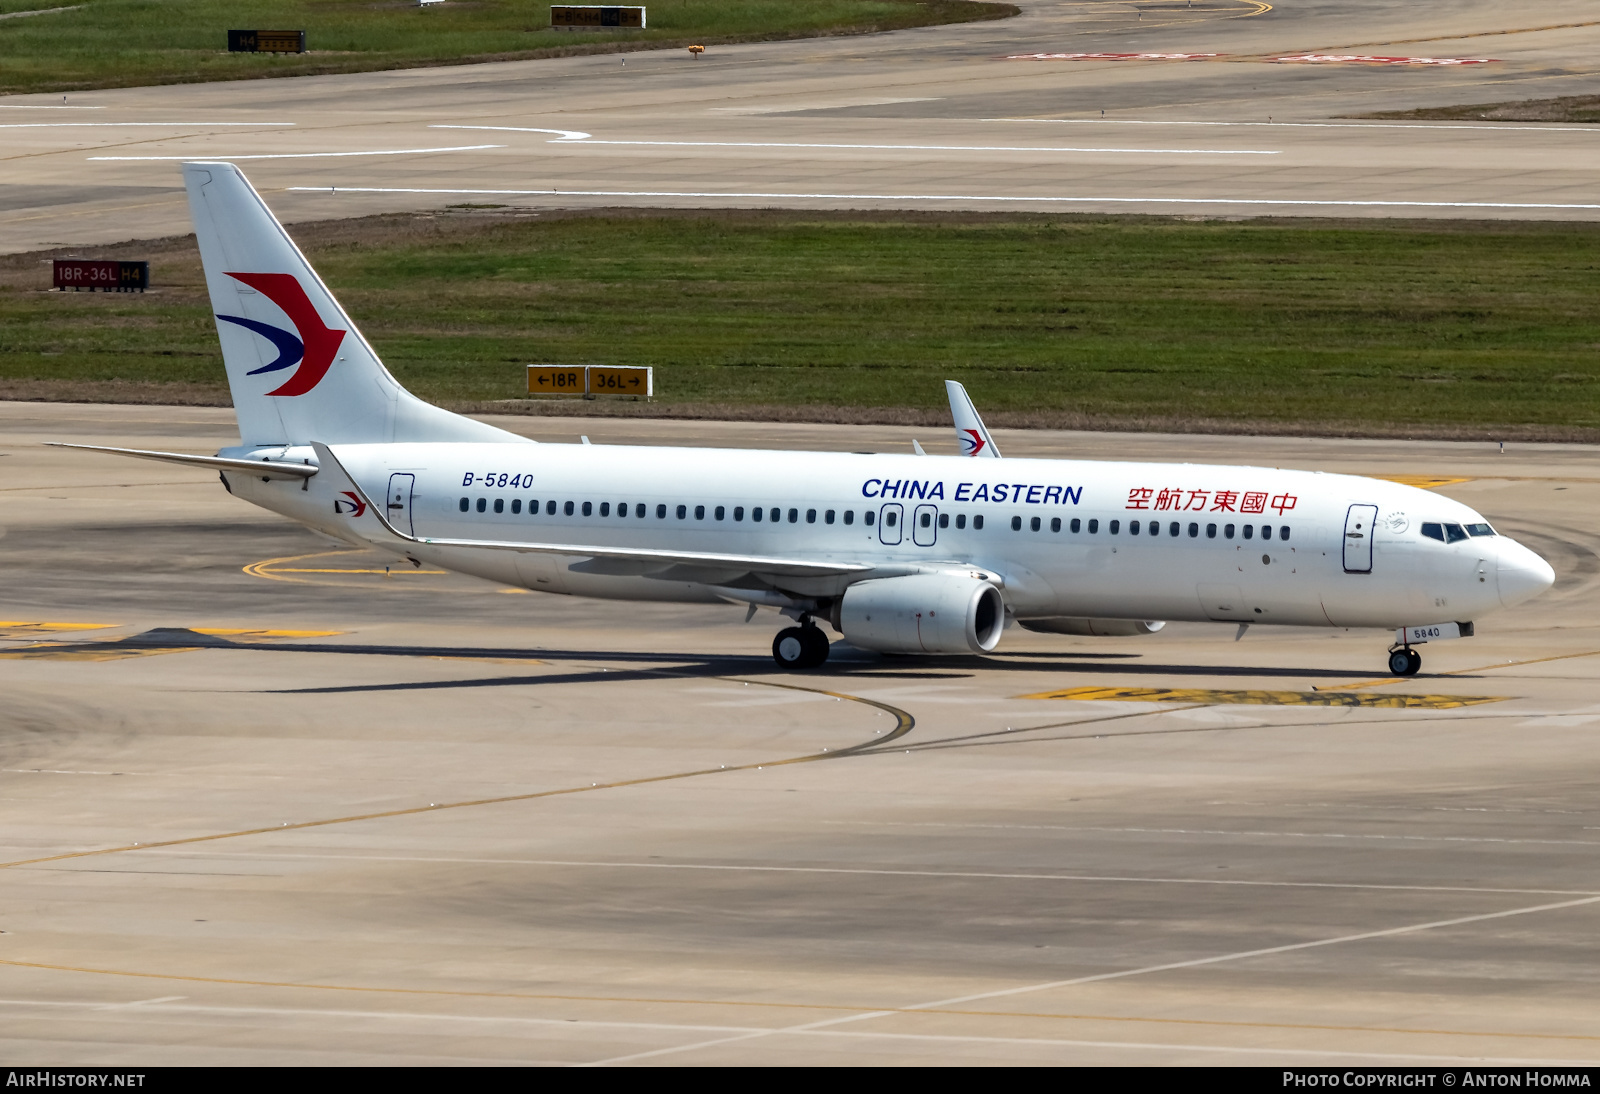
(1181, 499)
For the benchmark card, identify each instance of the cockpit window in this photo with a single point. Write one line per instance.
(1433, 531)
(1479, 530)
(1454, 533)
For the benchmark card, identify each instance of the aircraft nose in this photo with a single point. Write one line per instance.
(1523, 575)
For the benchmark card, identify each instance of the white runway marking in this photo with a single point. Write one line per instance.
(196, 158)
(124, 125)
(1554, 127)
(743, 1032)
(1010, 199)
(585, 139)
(1168, 967)
(565, 134)
(957, 874)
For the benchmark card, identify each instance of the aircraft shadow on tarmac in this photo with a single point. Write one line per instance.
(849, 663)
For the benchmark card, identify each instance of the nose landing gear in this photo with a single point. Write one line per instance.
(802, 647)
(1404, 661)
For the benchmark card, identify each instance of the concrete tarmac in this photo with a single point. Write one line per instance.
(263, 802)
(1222, 108)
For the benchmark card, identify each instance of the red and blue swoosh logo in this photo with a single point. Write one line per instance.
(973, 442)
(312, 345)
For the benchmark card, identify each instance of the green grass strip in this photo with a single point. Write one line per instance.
(1353, 326)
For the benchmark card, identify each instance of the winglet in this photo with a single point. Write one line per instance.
(364, 519)
(970, 430)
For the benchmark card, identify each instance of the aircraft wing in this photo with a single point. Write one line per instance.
(690, 565)
(263, 468)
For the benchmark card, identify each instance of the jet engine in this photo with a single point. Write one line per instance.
(1097, 628)
(922, 613)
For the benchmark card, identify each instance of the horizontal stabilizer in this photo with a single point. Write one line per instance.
(725, 565)
(265, 468)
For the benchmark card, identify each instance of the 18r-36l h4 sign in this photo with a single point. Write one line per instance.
(594, 17)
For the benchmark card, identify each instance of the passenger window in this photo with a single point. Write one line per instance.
(977, 523)
(775, 515)
(944, 520)
(827, 518)
(927, 520)
(683, 511)
(794, 516)
(516, 505)
(811, 516)
(961, 520)
(699, 512)
(1173, 529)
(719, 513)
(1116, 526)
(1194, 531)
(1016, 524)
(500, 506)
(1211, 531)
(1454, 533)
(1033, 525)
(1134, 527)
(605, 509)
(1075, 525)
(1283, 532)
(849, 516)
(533, 508)
(1433, 531)
(661, 512)
(1266, 531)
(888, 518)
(1155, 528)
(464, 505)
(483, 504)
(1055, 524)
(866, 518)
(738, 512)
(1249, 531)
(588, 508)
(1227, 532)
(1472, 530)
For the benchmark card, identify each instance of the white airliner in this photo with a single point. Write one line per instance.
(902, 554)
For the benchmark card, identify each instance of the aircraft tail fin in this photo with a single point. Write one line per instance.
(297, 366)
(970, 430)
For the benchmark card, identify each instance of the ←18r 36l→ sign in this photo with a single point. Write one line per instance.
(595, 17)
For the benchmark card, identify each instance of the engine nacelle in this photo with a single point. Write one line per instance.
(922, 613)
(1095, 628)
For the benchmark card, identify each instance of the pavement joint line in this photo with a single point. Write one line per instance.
(132, 125)
(972, 874)
(1553, 127)
(1375, 203)
(671, 1001)
(173, 1004)
(1245, 832)
(198, 158)
(904, 724)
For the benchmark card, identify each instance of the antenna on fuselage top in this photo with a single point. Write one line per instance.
(970, 430)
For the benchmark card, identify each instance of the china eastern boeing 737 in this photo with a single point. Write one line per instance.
(903, 554)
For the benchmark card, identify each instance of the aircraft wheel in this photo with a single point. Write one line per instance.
(1404, 662)
(816, 644)
(789, 649)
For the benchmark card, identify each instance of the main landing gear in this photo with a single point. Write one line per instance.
(802, 647)
(1404, 661)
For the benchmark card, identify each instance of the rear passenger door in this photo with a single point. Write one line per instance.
(398, 506)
